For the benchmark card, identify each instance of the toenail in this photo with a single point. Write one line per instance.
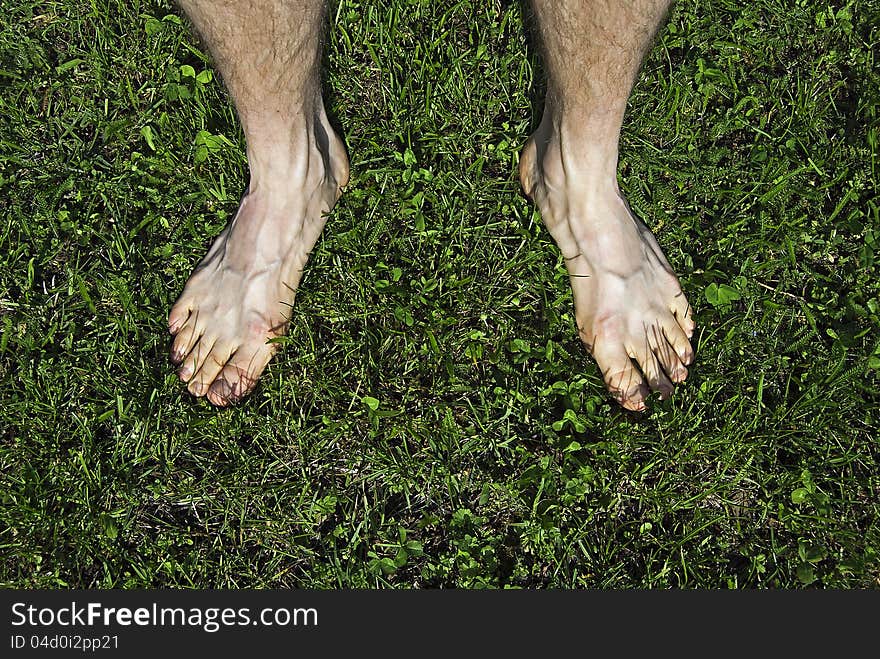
(223, 390)
(185, 373)
(632, 401)
(636, 407)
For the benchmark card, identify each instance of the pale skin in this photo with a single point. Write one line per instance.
(631, 313)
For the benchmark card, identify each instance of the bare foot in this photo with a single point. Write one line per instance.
(630, 310)
(239, 296)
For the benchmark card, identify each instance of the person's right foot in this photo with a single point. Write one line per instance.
(239, 296)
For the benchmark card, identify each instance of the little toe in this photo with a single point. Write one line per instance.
(177, 317)
(683, 313)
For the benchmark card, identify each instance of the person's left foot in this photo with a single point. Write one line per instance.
(631, 312)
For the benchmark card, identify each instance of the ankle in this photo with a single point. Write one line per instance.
(553, 166)
(299, 156)
(580, 145)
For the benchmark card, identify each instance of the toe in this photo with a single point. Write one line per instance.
(184, 341)
(674, 335)
(178, 316)
(210, 368)
(676, 371)
(670, 361)
(629, 389)
(193, 361)
(239, 376)
(221, 393)
(230, 386)
(657, 379)
(683, 313)
(621, 377)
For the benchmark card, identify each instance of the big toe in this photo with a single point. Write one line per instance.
(628, 388)
(621, 376)
(239, 376)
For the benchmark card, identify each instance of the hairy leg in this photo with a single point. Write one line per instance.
(239, 296)
(631, 312)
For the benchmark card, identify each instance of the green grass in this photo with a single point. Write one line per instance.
(433, 419)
